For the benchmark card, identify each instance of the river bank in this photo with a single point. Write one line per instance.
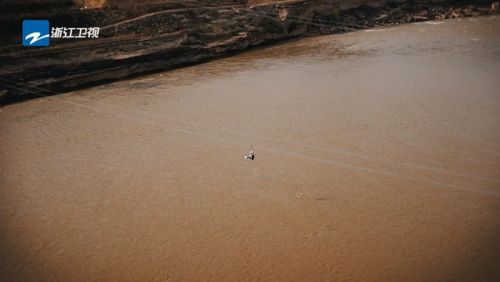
(168, 37)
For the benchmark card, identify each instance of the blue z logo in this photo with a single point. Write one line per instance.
(36, 33)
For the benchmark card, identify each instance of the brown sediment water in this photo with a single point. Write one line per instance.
(377, 159)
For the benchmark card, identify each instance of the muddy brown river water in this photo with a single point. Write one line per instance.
(377, 159)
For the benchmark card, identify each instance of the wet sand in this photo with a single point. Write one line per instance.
(377, 159)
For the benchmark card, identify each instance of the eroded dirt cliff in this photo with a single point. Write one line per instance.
(163, 35)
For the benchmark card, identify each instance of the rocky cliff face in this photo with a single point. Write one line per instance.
(160, 37)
